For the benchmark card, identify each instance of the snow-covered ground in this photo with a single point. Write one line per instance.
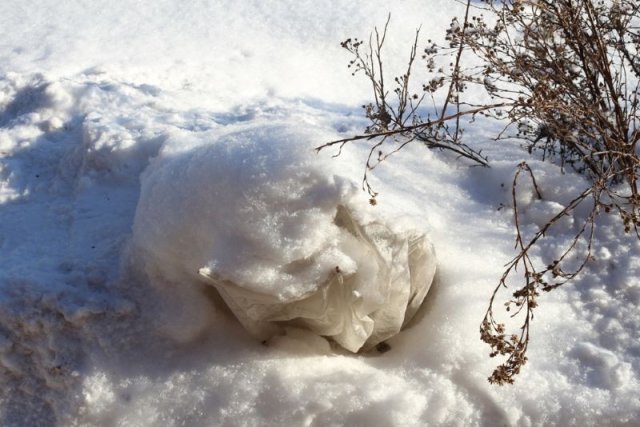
(95, 98)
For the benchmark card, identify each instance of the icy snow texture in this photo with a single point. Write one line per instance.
(90, 92)
(253, 206)
(271, 225)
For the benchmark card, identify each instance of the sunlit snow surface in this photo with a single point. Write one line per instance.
(91, 92)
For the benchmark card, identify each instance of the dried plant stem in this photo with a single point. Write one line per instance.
(565, 77)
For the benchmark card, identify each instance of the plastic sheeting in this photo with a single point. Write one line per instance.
(357, 310)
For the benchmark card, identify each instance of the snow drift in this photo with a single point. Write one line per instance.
(83, 342)
(281, 234)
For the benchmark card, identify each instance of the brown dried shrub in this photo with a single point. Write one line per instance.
(564, 76)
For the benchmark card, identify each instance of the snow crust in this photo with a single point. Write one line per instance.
(97, 102)
(254, 206)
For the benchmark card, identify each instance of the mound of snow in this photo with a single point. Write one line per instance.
(281, 233)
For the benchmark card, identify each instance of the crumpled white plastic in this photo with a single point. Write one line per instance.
(354, 314)
(283, 234)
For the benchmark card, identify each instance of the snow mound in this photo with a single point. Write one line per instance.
(281, 233)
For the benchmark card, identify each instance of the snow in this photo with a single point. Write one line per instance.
(244, 204)
(101, 104)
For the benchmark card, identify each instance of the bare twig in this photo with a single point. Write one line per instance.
(566, 75)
